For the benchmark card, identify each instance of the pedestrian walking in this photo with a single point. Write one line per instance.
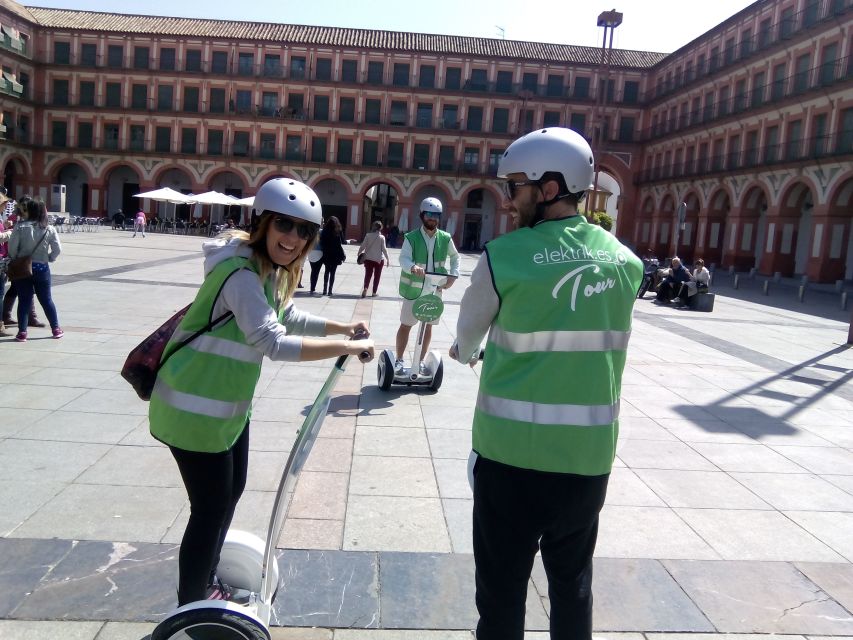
(333, 256)
(201, 402)
(139, 223)
(371, 254)
(555, 298)
(34, 237)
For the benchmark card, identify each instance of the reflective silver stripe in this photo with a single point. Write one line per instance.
(562, 414)
(226, 348)
(409, 278)
(200, 405)
(560, 340)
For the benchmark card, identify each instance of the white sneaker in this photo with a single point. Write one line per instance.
(399, 365)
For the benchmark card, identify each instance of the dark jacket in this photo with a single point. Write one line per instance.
(330, 245)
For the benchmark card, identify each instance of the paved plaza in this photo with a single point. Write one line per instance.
(730, 507)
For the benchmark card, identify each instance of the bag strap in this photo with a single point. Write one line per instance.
(209, 326)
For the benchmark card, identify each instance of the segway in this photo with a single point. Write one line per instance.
(247, 563)
(427, 308)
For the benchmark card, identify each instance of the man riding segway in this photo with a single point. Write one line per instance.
(425, 249)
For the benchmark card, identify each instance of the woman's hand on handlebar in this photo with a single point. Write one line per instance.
(356, 329)
(362, 349)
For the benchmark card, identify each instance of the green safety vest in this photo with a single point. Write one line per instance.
(552, 371)
(411, 285)
(203, 394)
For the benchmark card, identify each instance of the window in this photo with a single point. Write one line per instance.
(723, 102)
(420, 157)
(324, 73)
(59, 134)
(494, 160)
(551, 119)
(321, 108)
(801, 73)
(729, 52)
(61, 54)
(555, 86)
(794, 146)
(163, 139)
(193, 61)
(89, 55)
(424, 115)
(708, 111)
(244, 101)
(245, 64)
(272, 66)
(240, 144)
(453, 78)
(319, 149)
(740, 95)
(819, 134)
(344, 151)
(745, 43)
(757, 89)
(828, 64)
(349, 71)
(529, 82)
(375, 72)
(401, 74)
(631, 92)
(450, 116)
(626, 129)
(87, 94)
(700, 64)
(733, 161)
(269, 103)
(764, 33)
(500, 120)
(296, 104)
(581, 87)
(346, 110)
(84, 135)
(139, 96)
(165, 97)
(188, 140)
(504, 82)
(297, 67)
(702, 164)
(426, 79)
(478, 81)
(115, 56)
(395, 154)
(771, 145)
(137, 137)
(577, 122)
(399, 114)
(471, 159)
(845, 136)
(191, 99)
(60, 93)
(777, 90)
(214, 142)
(786, 24)
(445, 158)
(110, 136)
(217, 101)
(268, 145)
(475, 119)
(219, 63)
(167, 59)
(372, 111)
(714, 59)
(751, 151)
(141, 58)
(113, 94)
(293, 148)
(370, 153)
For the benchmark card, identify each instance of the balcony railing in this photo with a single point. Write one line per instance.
(792, 151)
(795, 85)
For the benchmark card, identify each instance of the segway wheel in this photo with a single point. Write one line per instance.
(209, 624)
(438, 377)
(385, 371)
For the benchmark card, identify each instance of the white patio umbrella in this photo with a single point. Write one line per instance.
(451, 224)
(403, 223)
(167, 194)
(246, 202)
(214, 197)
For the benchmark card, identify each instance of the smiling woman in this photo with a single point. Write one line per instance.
(201, 401)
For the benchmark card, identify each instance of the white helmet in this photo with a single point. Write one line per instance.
(430, 205)
(290, 197)
(553, 149)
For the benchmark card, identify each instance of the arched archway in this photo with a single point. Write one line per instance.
(380, 201)
(479, 218)
(231, 184)
(13, 174)
(122, 184)
(76, 182)
(838, 255)
(333, 196)
(754, 213)
(719, 205)
(644, 234)
(795, 227)
(666, 236)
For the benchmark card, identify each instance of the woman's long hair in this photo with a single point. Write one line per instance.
(36, 211)
(286, 279)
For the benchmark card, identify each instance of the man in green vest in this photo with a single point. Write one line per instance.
(426, 248)
(555, 298)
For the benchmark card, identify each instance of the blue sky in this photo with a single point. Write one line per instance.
(648, 25)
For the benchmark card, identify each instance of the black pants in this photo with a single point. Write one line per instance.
(315, 273)
(329, 276)
(214, 483)
(516, 513)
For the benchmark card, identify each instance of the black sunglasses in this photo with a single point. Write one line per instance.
(510, 187)
(304, 230)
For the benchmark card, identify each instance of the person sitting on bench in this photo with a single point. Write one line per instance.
(670, 286)
(700, 278)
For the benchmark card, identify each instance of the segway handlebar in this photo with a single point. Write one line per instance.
(364, 356)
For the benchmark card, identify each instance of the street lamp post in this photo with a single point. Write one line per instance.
(609, 20)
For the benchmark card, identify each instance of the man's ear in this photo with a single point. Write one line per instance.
(550, 189)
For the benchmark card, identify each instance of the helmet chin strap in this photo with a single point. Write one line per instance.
(542, 206)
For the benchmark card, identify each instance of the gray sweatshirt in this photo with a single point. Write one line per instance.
(26, 235)
(243, 295)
